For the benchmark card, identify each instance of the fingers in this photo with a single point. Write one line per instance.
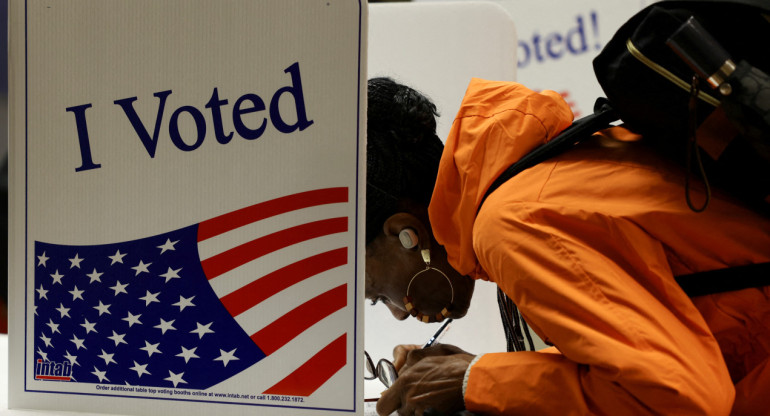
(435, 382)
(446, 349)
(416, 355)
(400, 353)
(390, 400)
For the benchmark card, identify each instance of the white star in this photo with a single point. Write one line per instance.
(107, 358)
(73, 359)
(187, 354)
(54, 327)
(117, 257)
(42, 292)
(76, 293)
(102, 308)
(150, 298)
(90, 327)
(41, 259)
(119, 287)
(132, 319)
(46, 340)
(202, 330)
(141, 267)
(101, 374)
(175, 378)
(75, 261)
(226, 357)
(168, 245)
(140, 369)
(95, 276)
(171, 274)
(165, 326)
(184, 302)
(78, 343)
(42, 354)
(57, 277)
(117, 338)
(151, 348)
(63, 311)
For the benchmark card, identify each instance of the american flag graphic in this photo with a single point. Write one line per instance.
(194, 307)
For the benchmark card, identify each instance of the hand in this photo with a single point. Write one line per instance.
(401, 352)
(431, 379)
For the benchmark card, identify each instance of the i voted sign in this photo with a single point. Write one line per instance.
(185, 227)
(240, 110)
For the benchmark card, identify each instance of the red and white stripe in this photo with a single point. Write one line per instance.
(277, 267)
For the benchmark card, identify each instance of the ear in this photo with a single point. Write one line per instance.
(404, 226)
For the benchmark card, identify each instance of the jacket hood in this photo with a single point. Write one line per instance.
(498, 123)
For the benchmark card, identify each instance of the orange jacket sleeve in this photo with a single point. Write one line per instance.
(625, 350)
(590, 267)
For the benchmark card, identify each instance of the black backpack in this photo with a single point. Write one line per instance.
(647, 72)
(666, 75)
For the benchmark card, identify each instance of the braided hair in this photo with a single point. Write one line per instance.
(402, 151)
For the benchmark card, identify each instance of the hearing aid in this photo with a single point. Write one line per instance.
(408, 238)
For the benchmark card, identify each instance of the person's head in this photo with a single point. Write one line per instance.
(403, 154)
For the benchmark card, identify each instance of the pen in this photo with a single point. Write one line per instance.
(435, 336)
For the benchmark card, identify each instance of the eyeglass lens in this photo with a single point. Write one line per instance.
(386, 372)
(371, 372)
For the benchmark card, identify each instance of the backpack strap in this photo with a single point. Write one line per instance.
(580, 129)
(725, 280)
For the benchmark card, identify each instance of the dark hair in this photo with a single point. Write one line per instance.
(402, 151)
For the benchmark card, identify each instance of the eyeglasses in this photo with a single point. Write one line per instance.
(385, 371)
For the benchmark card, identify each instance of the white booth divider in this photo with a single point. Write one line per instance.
(436, 48)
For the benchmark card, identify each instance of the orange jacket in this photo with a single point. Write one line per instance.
(586, 245)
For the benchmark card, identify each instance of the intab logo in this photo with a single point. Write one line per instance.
(51, 370)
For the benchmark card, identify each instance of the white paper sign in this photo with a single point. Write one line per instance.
(186, 179)
(558, 41)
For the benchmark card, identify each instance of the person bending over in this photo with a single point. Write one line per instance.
(586, 244)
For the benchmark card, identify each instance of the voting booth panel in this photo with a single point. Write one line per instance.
(186, 210)
(436, 50)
